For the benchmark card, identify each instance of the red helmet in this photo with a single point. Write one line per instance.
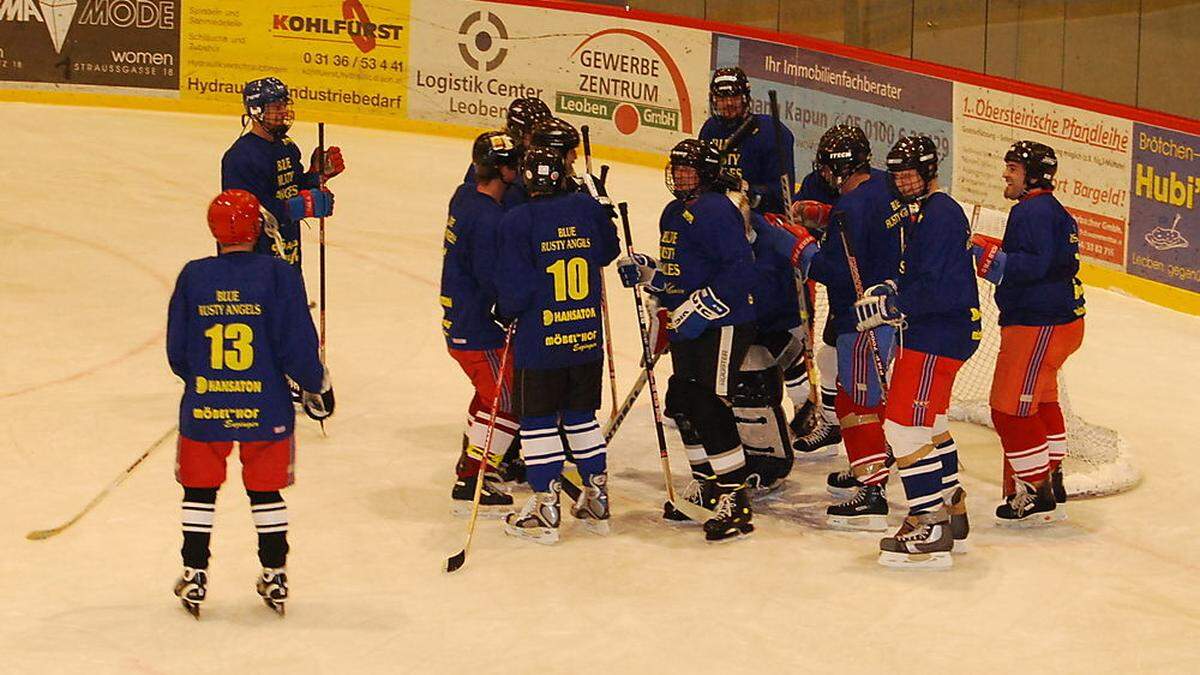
(234, 217)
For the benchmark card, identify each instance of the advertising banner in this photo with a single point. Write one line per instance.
(637, 85)
(1164, 211)
(1093, 161)
(129, 44)
(347, 56)
(818, 90)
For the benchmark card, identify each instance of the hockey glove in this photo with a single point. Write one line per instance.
(989, 259)
(803, 249)
(310, 204)
(659, 319)
(811, 213)
(320, 405)
(334, 164)
(609, 210)
(640, 270)
(877, 306)
(691, 318)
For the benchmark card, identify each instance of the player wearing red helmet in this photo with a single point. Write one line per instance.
(238, 323)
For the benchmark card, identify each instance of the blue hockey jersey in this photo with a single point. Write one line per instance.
(871, 216)
(1040, 286)
(756, 159)
(776, 304)
(272, 172)
(469, 249)
(937, 289)
(552, 253)
(814, 188)
(703, 243)
(514, 194)
(238, 323)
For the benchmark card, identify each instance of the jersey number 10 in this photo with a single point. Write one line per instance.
(240, 337)
(570, 279)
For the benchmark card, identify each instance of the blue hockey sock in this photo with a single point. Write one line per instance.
(947, 452)
(542, 449)
(922, 483)
(587, 443)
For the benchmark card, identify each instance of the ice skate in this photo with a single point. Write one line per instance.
(804, 419)
(866, 510)
(732, 516)
(1029, 507)
(842, 484)
(538, 520)
(592, 507)
(191, 588)
(493, 500)
(923, 542)
(272, 587)
(699, 492)
(823, 439)
(1057, 486)
(960, 526)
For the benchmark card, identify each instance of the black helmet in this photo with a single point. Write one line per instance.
(728, 82)
(1039, 161)
(543, 170)
(914, 152)
(700, 155)
(845, 151)
(492, 150)
(522, 113)
(556, 133)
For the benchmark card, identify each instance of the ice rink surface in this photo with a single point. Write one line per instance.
(102, 208)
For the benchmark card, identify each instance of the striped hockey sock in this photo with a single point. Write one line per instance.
(1051, 415)
(199, 508)
(1025, 446)
(271, 522)
(588, 449)
(542, 448)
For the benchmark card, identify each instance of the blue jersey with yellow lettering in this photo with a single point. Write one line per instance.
(814, 188)
(1041, 242)
(469, 253)
(237, 323)
(272, 172)
(756, 159)
(776, 303)
(701, 244)
(552, 254)
(871, 217)
(937, 291)
(514, 194)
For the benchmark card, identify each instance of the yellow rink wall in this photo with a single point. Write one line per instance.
(639, 80)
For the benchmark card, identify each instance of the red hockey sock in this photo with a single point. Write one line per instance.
(1050, 413)
(1025, 446)
(862, 434)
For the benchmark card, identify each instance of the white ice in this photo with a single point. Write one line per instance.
(101, 208)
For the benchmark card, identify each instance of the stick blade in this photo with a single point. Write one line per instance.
(38, 535)
(455, 562)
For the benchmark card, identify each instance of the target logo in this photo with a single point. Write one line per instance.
(481, 40)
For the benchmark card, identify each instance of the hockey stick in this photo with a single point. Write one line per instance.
(321, 248)
(806, 317)
(37, 535)
(852, 263)
(585, 132)
(693, 511)
(456, 561)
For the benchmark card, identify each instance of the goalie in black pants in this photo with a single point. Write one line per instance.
(703, 279)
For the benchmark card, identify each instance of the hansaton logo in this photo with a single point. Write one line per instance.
(354, 24)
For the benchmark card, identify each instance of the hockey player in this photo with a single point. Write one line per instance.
(935, 304)
(703, 278)
(522, 113)
(238, 323)
(553, 250)
(1041, 305)
(756, 159)
(559, 135)
(468, 296)
(266, 163)
(869, 216)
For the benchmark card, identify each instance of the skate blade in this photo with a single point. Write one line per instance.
(822, 452)
(540, 535)
(742, 534)
(277, 607)
(916, 561)
(597, 527)
(192, 608)
(858, 523)
(1034, 521)
(686, 522)
(961, 546)
(486, 512)
(841, 494)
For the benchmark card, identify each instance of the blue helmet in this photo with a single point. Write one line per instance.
(257, 94)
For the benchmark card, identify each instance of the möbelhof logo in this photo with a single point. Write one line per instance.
(481, 40)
